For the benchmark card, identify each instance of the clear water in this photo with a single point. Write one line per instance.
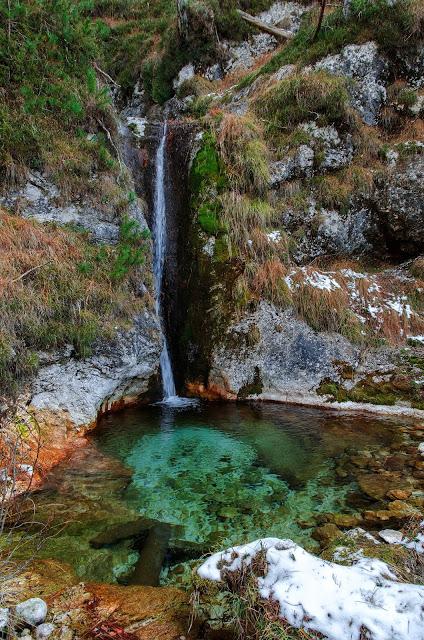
(204, 478)
(159, 251)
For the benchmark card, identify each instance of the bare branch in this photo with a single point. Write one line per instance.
(281, 34)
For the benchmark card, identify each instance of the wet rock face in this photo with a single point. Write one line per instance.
(118, 373)
(287, 360)
(40, 199)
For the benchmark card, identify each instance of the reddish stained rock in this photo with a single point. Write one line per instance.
(145, 613)
(398, 494)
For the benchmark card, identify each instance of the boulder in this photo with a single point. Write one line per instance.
(391, 536)
(32, 612)
(363, 64)
(378, 485)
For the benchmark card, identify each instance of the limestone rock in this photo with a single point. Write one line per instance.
(39, 200)
(118, 372)
(336, 153)
(285, 15)
(4, 619)
(186, 73)
(287, 362)
(367, 69)
(331, 232)
(391, 536)
(44, 630)
(32, 611)
(399, 204)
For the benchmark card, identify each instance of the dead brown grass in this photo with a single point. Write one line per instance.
(55, 289)
(268, 282)
(243, 151)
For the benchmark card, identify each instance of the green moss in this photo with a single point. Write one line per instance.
(252, 388)
(208, 218)
(380, 393)
(333, 389)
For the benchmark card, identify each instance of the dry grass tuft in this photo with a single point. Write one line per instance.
(56, 289)
(269, 283)
(244, 152)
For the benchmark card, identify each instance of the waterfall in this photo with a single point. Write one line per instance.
(160, 243)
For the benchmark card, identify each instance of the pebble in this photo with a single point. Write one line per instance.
(66, 633)
(44, 630)
(4, 618)
(32, 611)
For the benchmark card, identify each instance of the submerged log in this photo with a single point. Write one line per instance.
(149, 565)
(282, 34)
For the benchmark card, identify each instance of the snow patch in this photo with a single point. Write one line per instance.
(335, 600)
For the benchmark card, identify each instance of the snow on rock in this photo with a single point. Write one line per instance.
(274, 236)
(322, 281)
(392, 536)
(341, 602)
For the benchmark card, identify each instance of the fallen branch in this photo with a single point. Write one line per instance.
(39, 266)
(105, 75)
(282, 34)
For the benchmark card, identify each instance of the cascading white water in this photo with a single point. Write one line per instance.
(160, 241)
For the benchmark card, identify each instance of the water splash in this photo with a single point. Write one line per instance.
(160, 243)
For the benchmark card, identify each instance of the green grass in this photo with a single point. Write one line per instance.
(298, 98)
(51, 102)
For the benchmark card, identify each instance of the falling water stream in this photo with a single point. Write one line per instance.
(160, 243)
